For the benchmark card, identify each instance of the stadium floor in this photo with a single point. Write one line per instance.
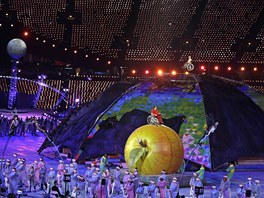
(28, 145)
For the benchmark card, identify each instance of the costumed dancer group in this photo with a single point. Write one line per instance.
(248, 189)
(65, 181)
(99, 184)
(16, 174)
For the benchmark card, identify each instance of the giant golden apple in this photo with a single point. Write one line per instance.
(152, 149)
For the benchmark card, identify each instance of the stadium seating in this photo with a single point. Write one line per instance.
(27, 87)
(257, 56)
(158, 23)
(40, 16)
(3, 85)
(222, 24)
(86, 91)
(101, 21)
(257, 85)
(49, 97)
(258, 88)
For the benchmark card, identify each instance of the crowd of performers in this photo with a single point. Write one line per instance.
(65, 180)
(100, 182)
(19, 127)
(247, 189)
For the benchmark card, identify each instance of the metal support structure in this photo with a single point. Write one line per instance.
(64, 90)
(62, 97)
(41, 83)
(13, 86)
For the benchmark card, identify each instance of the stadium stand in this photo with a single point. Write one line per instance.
(158, 22)
(86, 91)
(222, 23)
(101, 21)
(258, 88)
(27, 87)
(257, 56)
(257, 85)
(40, 16)
(221, 28)
(49, 97)
(4, 85)
(23, 86)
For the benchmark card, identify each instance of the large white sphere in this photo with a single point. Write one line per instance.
(16, 48)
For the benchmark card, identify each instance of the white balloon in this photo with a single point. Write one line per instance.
(16, 48)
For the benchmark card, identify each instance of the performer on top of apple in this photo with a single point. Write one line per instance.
(156, 113)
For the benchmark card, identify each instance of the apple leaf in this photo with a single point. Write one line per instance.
(135, 155)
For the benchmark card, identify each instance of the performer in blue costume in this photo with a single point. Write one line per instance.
(103, 163)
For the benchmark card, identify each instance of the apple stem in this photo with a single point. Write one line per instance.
(141, 143)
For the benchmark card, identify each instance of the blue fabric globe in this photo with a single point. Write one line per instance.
(16, 48)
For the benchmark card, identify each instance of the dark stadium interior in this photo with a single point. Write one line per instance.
(95, 68)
